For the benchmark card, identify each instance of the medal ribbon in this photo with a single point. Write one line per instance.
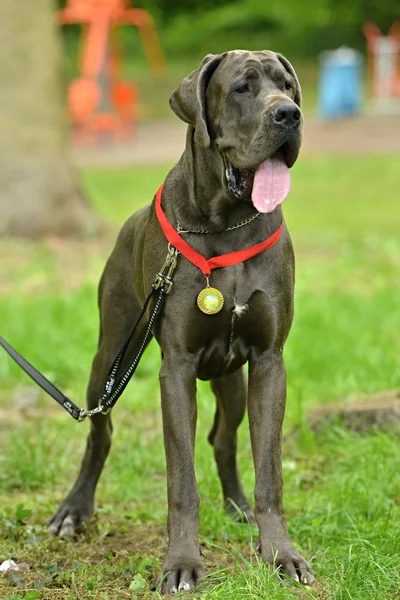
(216, 262)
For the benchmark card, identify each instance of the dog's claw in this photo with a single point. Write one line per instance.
(308, 578)
(180, 579)
(53, 528)
(184, 586)
(289, 563)
(67, 527)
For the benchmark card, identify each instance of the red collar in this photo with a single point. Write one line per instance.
(216, 262)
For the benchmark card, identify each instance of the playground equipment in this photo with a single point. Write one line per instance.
(384, 64)
(340, 91)
(101, 103)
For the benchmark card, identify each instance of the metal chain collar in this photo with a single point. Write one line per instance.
(237, 226)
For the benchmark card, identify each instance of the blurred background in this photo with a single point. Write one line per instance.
(189, 30)
(86, 138)
(347, 58)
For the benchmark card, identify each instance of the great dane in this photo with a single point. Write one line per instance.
(244, 133)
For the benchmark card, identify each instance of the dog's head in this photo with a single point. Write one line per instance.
(247, 106)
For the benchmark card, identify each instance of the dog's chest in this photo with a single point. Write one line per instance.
(222, 342)
(256, 316)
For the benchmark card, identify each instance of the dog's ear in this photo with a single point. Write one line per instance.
(189, 100)
(284, 61)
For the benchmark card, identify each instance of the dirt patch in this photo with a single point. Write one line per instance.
(163, 142)
(380, 410)
(363, 135)
(101, 562)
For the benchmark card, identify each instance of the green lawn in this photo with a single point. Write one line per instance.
(342, 489)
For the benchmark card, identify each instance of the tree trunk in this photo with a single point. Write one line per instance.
(39, 193)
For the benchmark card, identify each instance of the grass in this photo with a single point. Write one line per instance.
(342, 489)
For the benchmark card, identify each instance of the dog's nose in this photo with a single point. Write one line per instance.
(286, 114)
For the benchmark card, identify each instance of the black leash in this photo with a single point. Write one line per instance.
(115, 382)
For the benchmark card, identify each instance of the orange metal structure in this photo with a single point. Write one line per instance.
(100, 103)
(383, 60)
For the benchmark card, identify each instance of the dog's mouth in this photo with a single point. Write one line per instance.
(266, 185)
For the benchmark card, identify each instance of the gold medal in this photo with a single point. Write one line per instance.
(210, 300)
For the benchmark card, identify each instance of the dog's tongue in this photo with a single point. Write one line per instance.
(271, 184)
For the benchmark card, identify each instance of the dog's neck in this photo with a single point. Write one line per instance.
(202, 200)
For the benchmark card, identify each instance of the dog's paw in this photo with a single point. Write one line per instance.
(71, 514)
(180, 578)
(287, 561)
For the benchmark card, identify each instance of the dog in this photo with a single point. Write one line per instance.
(244, 133)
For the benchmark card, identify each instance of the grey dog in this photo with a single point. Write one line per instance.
(242, 108)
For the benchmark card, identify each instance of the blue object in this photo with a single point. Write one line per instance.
(340, 85)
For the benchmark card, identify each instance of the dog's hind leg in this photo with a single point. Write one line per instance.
(230, 392)
(119, 310)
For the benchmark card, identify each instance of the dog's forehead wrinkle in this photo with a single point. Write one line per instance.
(270, 74)
(242, 68)
(278, 73)
(250, 72)
(269, 64)
(240, 60)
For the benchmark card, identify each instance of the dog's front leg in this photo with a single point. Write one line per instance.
(182, 567)
(266, 406)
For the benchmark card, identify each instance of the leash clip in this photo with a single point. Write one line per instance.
(90, 413)
(164, 277)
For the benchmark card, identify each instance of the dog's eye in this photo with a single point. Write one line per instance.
(242, 89)
(288, 86)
